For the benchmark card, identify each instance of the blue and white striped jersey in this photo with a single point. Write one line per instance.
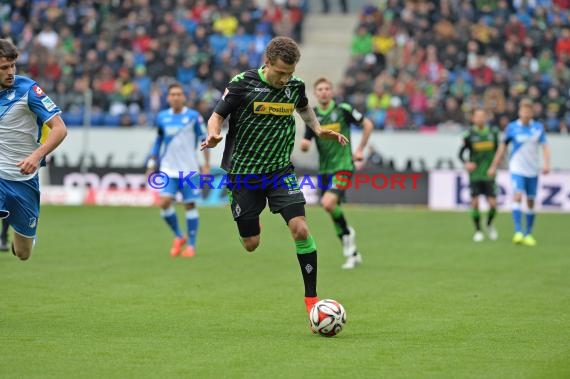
(179, 135)
(524, 158)
(24, 108)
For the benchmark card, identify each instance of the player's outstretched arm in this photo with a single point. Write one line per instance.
(497, 159)
(310, 118)
(57, 134)
(214, 132)
(545, 158)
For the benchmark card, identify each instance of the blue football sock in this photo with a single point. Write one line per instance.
(529, 221)
(192, 221)
(517, 217)
(169, 216)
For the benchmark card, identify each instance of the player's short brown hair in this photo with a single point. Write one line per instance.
(175, 85)
(283, 48)
(8, 50)
(526, 103)
(320, 80)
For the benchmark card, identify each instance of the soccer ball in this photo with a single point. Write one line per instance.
(327, 317)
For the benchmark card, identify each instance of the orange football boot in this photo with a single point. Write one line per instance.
(189, 252)
(177, 245)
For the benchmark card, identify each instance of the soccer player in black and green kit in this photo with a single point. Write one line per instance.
(482, 142)
(257, 154)
(334, 159)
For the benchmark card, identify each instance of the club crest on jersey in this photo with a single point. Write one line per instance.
(334, 117)
(11, 95)
(276, 109)
(287, 92)
(38, 91)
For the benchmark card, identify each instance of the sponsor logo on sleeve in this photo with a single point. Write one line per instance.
(38, 91)
(49, 105)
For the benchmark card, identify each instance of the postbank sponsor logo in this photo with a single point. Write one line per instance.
(276, 109)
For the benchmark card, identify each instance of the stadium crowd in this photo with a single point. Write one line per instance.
(128, 52)
(416, 64)
(424, 65)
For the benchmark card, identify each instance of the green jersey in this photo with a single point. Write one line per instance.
(482, 145)
(333, 157)
(261, 131)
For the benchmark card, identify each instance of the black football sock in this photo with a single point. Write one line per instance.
(475, 215)
(307, 256)
(491, 216)
(340, 224)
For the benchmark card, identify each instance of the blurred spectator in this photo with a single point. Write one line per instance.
(462, 55)
(396, 115)
(128, 52)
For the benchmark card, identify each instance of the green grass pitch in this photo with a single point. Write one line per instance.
(101, 298)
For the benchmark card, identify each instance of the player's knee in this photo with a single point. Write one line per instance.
(23, 253)
(299, 229)
(328, 205)
(517, 197)
(250, 243)
(165, 202)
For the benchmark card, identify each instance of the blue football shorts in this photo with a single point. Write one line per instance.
(525, 184)
(190, 193)
(22, 200)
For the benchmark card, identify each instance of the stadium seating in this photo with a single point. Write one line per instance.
(128, 53)
(441, 59)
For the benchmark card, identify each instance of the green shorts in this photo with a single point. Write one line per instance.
(249, 193)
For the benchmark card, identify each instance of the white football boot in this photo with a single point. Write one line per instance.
(349, 243)
(492, 232)
(352, 262)
(478, 236)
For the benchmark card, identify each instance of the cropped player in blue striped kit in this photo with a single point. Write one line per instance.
(24, 109)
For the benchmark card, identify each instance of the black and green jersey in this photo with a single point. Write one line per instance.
(482, 145)
(261, 131)
(334, 157)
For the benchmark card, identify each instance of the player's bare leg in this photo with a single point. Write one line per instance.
(22, 246)
(251, 243)
(249, 233)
